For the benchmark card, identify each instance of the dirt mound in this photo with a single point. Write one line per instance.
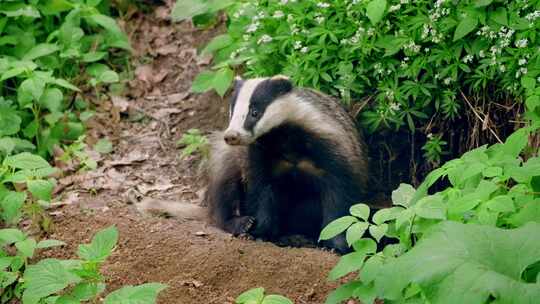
(199, 263)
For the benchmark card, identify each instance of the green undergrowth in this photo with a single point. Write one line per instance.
(50, 52)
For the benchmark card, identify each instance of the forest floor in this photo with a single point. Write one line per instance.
(199, 263)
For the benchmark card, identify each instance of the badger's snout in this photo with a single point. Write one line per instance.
(235, 138)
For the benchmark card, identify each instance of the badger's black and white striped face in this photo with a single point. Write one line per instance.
(256, 107)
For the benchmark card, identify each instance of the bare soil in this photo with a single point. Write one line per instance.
(199, 263)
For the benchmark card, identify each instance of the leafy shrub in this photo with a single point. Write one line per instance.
(413, 57)
(43, 46)
(257, 296)
(194, 141)
(62, 281)
(466, 235)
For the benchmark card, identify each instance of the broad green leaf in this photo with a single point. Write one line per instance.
(49, 244)
(500, 16)
(11, 206)
(203, 82)
(532, 102)
(51, 7)
(40, 189)
(336, 227)
(30, 90)
(378, 231)
(7, 145)
(342, 293)
(528, 213)
(403, 194)
(276, 299)
(145, 293)
(431, 207)
(187, 9)
(482, 3)
(217, 43)
(103, 146)
(528, 83)
(375, 10)
(26, 247)
(360, 210)
(65, 84)
(93, 56)
(465, 26)
(52, 99)
(45, 278)
(222, 80)
(492, 171)
(9, 236)
(355, 232)
(10, 121)
(87, 291)
(101, 245)
(347, 264)
(386, 214)
(516, 142)
(109, 77)
(40, 50)
(254, 295)
(501, 203)
(26, 160)
(466, 263)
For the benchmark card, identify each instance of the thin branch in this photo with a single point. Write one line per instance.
(479, 117)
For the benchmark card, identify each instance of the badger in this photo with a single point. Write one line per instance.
(290, 161)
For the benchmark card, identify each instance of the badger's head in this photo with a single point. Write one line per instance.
(257, 106)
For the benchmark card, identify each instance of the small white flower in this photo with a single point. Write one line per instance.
(283, 2)
(522, 43)
(246, 37)
(252, 27)
(371, 31)
(394, 106)
(404, 65)
(290, 18)
(502, 68)
(430, 136)
(538, 79)
(523, 71)
(354, 40)
(323, 5)
(447, 80)
(437, 76)
(404, 1)
(304, 49)
(319, 19)
(468, 58)
(394, 8)
(264, 39)
(522, 61)
(278, 14)
(297, 44)
(481, 54)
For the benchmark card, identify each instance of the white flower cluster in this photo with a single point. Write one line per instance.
(531, 17)
(521, 43)
(432, 33)
(319, 18)
(394, 8)
(389, 94)
(411, 46)
(521, 71)
(467, 59)
(439, 11)
(354, 39)
(234, 54)
(323, 4)
(404, 63)
(284, 2)
(378, 68)
(394, 106)
(278, 14)
(254, 25)
(264, 39)
(297, 45)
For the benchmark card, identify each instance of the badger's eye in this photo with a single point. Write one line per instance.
(254, 113)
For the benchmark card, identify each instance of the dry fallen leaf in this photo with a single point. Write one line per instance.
(120, 103)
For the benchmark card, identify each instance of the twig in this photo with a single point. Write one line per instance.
(479, 117)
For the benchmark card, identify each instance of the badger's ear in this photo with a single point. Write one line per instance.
(281, 84)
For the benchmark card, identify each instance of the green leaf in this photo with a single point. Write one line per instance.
(109, 77)
(336, 227)
(203, 82)
(26, 247)
(378, 231)
(87, 291)
(11, 206)
(52, 7)
(254, 295)
(466, 263)
(65, 84)
(52, 99)
(26, 160)
(360, 210)
(218, 43)
(276, 299)
(375, 10)
(10, 122)
(103, 146)
(93, 56)
(355, 232)
(431, 207)
(145, 293)
(467, 25)
(187, 9)
(347, 264)
(101, 246)
(532, 102)
(516, 142)
(41, 189)
(386, 214)
(30, 90)
(500, 16)
(501, 203)
(49, 244)
(45, 278)
(7, 145)
(403, 194)
(9, 236)
(529, 213)
(222, 80)
(342, 293)
(40, 50)
(528, 83)
(482, 3)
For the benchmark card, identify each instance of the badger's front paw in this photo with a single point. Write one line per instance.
(242, 225)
